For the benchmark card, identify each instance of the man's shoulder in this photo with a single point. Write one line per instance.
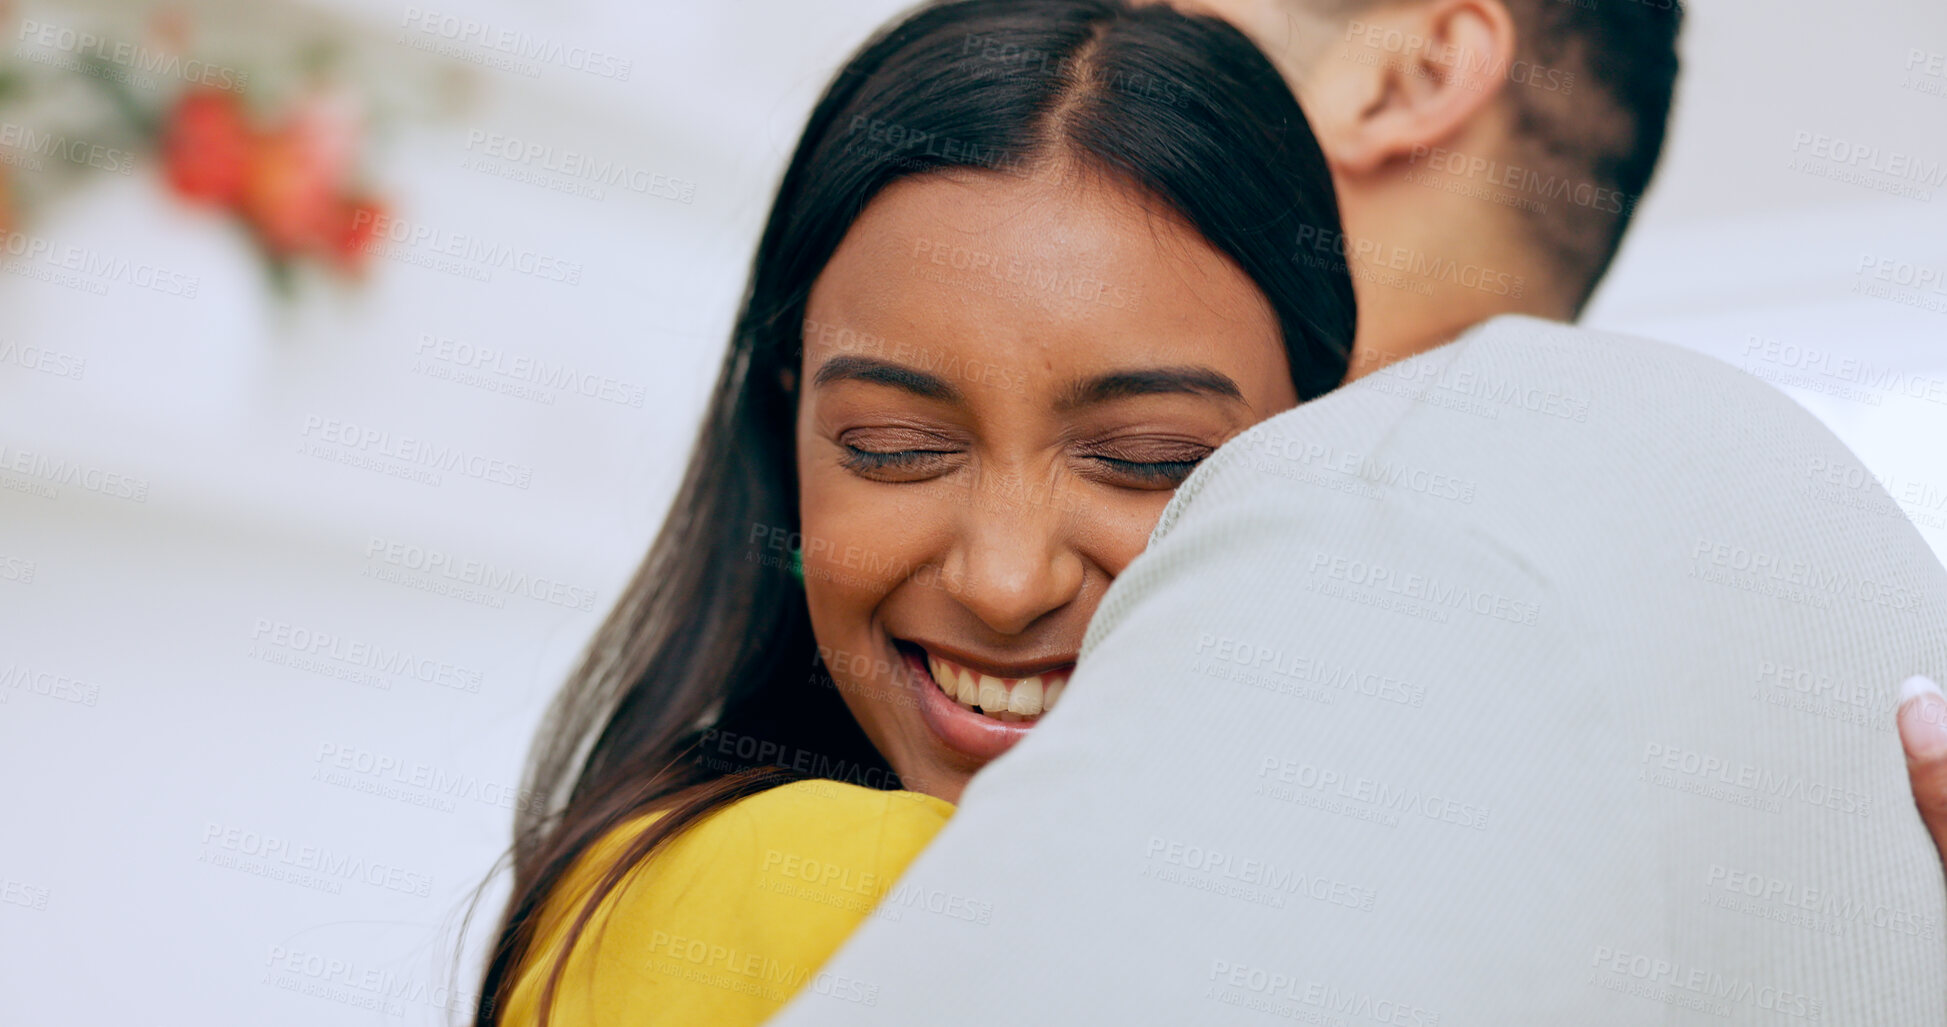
(1528, 383)
(1515, 350)
(1521, 414)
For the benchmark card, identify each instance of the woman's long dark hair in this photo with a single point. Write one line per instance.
(703, 685)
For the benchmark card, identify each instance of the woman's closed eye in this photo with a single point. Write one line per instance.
(1144, 464)
(919, 464)
(896, 464)
(899, 453)
(1148, 474)
(1139, 464)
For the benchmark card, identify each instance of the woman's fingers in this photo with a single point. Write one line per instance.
(1923, 734)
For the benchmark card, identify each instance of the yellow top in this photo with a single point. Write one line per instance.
(724, 923)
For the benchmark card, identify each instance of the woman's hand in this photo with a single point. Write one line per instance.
(1923, 734)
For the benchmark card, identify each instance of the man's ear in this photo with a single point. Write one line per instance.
(1407, 76)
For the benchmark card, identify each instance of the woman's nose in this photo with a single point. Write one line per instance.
(1016, 561)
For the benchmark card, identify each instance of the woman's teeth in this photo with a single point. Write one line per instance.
(1009, 699)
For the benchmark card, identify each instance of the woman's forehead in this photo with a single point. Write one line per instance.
(1053, 270)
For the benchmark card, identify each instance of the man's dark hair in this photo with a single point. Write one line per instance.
(1605, 132)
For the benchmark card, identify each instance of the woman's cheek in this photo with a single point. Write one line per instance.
(1121, 526)
(862, 539)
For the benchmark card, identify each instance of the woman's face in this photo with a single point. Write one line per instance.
(1004, 380)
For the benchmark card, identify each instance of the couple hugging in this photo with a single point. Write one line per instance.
(1421, 659)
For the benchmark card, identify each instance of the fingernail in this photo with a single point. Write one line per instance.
(1923, 719)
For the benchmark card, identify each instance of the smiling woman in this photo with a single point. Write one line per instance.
(1120, 404)
(998, 313)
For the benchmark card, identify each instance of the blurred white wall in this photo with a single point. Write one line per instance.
(1798, 225)
(173, 750)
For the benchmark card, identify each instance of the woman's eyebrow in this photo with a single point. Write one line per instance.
(884, 372)
(1148, 382)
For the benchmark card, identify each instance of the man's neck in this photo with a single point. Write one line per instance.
(1428, 264)
(1376, 346)
(1397, 324)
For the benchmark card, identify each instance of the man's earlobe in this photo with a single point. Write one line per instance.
(1412, 77)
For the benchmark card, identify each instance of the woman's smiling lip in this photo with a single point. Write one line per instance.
(994, 668)
(963, 730)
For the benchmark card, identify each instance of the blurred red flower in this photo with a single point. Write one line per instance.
(288, 184)
(358, 227)
(206, 147)
(296, 175)
(286, 195)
